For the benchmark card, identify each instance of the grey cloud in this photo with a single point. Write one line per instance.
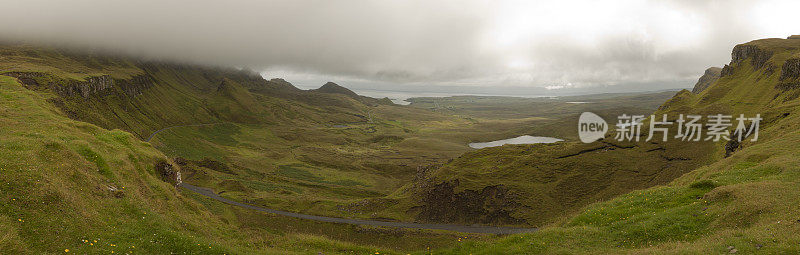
(401, 43)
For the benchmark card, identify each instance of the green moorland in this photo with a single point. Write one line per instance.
(349, 169)
(268, 143)
(79, 177)
(72, 186)
(325, 152)
(745, 203)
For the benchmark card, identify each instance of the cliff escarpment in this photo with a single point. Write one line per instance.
(709, 77)
(91, 86)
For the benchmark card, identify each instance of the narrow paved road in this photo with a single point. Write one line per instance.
(458, 228)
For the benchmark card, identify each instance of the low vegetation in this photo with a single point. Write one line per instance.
(91, 146)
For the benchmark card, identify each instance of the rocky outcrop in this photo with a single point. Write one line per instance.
(790, 69)
(731, 146)
(136, 85)
(167, 172)
(758, 57)
(29, 80)
(490, 205)
(91, 86)
(726, 71)
(710, 76)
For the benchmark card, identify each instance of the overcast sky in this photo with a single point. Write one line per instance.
(412, 45)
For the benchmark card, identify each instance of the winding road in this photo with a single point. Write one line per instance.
(451, 227)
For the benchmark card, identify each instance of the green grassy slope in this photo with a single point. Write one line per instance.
(66, 181)
(747, 202)
(74, 187)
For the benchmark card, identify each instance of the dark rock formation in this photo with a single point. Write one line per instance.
(790, 69)
(180, 161)
(91, 86)
(731, 146)
(224, 86)
(490, 205)
(167, 172)
(758, 57)
(710, 76)
(29, 80)
(726, 71)
(135, 86)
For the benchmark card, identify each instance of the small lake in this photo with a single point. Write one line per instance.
(525, 139)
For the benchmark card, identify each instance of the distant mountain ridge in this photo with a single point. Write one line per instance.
(330, 87)
(144, 96)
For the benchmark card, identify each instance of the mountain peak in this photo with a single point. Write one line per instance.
(282, 85)
(331, 87)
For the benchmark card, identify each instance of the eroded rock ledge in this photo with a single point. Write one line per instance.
(790, 69)
(91, 86)
(758, 57)
(490, 205)
(710, 76)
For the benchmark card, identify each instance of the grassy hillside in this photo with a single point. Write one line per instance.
(79, 177)
(76, 187)
(72, 186)
(744, 203)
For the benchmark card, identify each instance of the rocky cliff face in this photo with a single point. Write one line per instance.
(490, 205)
(790, 72)
(136, 85)
(790, 69)
(710, 76)
(91, 86)
(758, 56)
